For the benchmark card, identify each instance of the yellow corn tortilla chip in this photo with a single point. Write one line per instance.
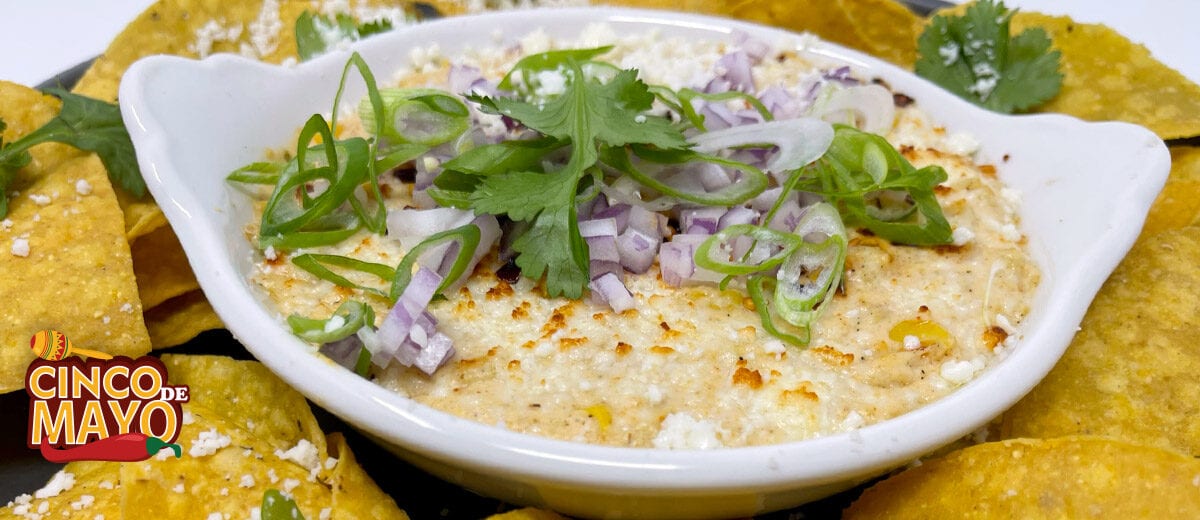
(215, 476)
(95, 480)
(142, 215)
(161, 266)
(1071, 477)
(888, 29)
(355, 495)
(249, 397)
(1108, 77)
(180, 319)
(1179, 203)
(528, 513)
(1130, 372)
(828, 20)
(63, 253)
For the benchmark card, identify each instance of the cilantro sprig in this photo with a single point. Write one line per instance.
(87, 124)
(590, 116)
(974, 57)
(315, 33)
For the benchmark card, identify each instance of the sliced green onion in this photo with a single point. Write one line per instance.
(753, 180)
(375, 219)
(316, 264)
(256, 173)
(398, 154)
(467, 239)
(716, 251)
(808, 279)
(345, 167)
(762, 296)
(416, 115)
(688, 109)
(354, 315)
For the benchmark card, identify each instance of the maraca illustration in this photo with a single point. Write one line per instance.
(53, 345)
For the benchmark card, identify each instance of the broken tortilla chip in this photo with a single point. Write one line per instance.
(63, 252)
(355, 495)
(1071, 477)
(1178, 204)
(162, 268)
(180, 319)
(1108, 77)
(1130, 372)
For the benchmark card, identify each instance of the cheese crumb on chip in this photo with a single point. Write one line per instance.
(61, 481)
(208, 442)
(20, 247)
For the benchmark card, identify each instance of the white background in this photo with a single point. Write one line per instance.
(40, 38)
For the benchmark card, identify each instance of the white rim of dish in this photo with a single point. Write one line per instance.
(464, 443)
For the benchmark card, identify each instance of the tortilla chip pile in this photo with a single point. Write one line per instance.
(62, 249)
(245, 431)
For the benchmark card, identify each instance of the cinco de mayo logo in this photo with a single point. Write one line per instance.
(112, 409)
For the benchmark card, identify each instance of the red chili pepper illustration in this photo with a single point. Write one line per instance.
(126, 447)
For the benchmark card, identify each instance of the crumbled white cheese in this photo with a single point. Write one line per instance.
(40, 200)
(325, 514)
(61, 481)
(6, 224)
(83, 187)
(535, 42)
(949, 53)
(214, 516)
(303, 453)
(961, 236)
(289, 484)
(213, 32)
(960, 372)
(550, 83)
(105, 319)
(127, 307)
(269, 253)
(774, 347)
(178, 488)
(208, 442)
(912, 342)
(83, 502)
(188, 418)
(224, 492)
(682, 431)
(265, 30)
(20, 247)
(272, 476)
(247, 481)
(255, 513)
(104, 484)
(959, 143)
(330, 462)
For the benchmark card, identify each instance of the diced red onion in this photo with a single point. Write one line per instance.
(755, 48)
(646, 221)
(712, 176)
(343, 351)
(676, 262)
(688, 243)
(610, 290)
(765, 200)
(637, 250)
(702, 221)
(598, 268)
(603, 248)
(462, 77)
(619, 213)
(735, 67)
(598, 227)
(737, 215)
(841, 75)
(436, 353)
(386, 342)
(717, 116)
(787, 217)
(717, 85)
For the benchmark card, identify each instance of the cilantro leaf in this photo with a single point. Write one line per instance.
(87, 124)
(315, 33)
(588, 115)
(974, 57)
